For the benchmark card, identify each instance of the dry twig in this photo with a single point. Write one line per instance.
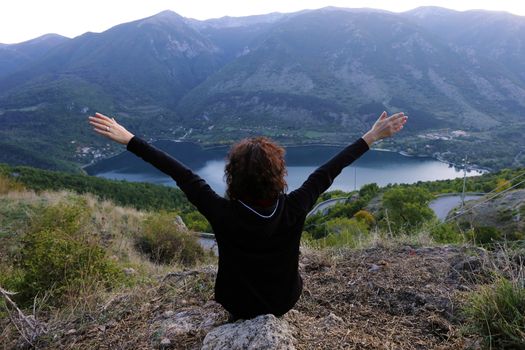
(28, 326)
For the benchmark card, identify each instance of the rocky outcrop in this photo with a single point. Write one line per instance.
(263, 332)
(171, 329)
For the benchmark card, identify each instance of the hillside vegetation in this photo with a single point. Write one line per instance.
(96, 274)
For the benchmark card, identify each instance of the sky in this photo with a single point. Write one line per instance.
(22, 20)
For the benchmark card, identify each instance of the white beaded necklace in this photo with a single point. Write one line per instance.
(262, 216)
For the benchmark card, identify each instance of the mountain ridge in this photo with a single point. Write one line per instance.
(313, 72)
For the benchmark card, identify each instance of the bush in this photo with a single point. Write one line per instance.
(484, 235)
(7, 184)
(197, 222)
(446, 233)
(497, 313)
(56, 262)
(369, 190)
(71, 216)
(167, 243)
(502, 185)
(59, 255)
(407, 208)
(343, 232)
(365, 216)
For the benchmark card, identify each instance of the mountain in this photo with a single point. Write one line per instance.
(486, 39)
(157, 59)
(351, 61)
(235, 35)
(15, 56)
(306, 77)
(139, 68)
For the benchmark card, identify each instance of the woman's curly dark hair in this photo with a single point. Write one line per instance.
(255, 170)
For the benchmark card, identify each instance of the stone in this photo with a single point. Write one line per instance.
(332, 320)
(165, 342)
(374, 268)
(187, 321)
(129, 271)
(180, 223)
(265, 332)
(168, 313)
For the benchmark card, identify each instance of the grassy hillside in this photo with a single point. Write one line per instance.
(405, 291)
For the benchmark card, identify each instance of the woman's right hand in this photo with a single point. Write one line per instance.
(385, 127)
(110, 128)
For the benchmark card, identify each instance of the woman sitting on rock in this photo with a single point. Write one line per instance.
(258, 227)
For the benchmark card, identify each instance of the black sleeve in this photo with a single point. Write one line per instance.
(304, 198)
(199, 193)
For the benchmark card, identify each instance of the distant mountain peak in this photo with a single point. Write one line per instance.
(350, 9)
(46, 38)
(164, 15)
(425, 11)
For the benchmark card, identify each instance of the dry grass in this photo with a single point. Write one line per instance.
(391, 293)
(377, 298)
(380, 298)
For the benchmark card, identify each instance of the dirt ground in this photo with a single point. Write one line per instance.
(378, 298)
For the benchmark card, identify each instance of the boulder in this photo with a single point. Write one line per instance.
(263, 332)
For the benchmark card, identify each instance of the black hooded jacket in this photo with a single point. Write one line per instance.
(258, 247)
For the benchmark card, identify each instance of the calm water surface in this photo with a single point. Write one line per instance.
(374, 166)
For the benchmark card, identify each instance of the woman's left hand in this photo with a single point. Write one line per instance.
(110, 128)
(385, 127)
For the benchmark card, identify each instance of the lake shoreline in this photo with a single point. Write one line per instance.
(379, 165)
(208, 147)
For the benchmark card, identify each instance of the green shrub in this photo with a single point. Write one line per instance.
(365, 216)
(59, 255)
(71, 216)
(484, 235)
(165, 242)
(497, 313)
(8, 184)
(406, 209)
(57, 262)
(197, 222)
(446, 233)
(344, 232)
(369, 190)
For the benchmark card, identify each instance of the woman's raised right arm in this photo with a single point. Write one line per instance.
(199, 193)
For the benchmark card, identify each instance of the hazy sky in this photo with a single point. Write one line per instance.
(22, 20)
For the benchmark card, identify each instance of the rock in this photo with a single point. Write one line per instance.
(168, 313)
(187, 321)
(374, 268)
(262, 332)
(180, 223)
(332, 320)
(470, 269)
(165, 342)
(129, 271)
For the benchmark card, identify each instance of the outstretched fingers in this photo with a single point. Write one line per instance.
(102, 116)
(397, 116)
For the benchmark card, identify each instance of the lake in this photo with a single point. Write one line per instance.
(381, 167)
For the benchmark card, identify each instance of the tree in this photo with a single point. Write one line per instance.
(407, 207)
